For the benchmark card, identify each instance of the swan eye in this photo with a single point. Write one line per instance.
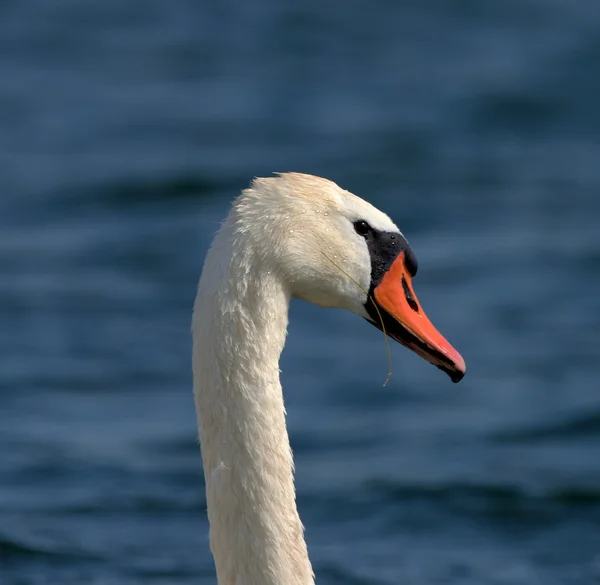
(362, 227)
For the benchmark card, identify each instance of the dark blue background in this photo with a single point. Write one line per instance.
(126, 129)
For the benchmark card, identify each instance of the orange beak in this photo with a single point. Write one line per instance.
(409, 324)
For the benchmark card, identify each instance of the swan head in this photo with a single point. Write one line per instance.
(334, 249)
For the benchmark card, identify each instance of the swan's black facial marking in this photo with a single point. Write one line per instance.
(384, 247)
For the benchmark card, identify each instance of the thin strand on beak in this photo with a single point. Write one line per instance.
(385, 335)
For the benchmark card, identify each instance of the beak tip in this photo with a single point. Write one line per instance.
(456, 375)
(458, 369)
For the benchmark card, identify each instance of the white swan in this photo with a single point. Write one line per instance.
(286, 236)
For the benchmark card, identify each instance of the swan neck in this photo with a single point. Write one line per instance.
(239, 329)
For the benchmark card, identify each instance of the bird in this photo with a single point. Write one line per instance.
(286, 235)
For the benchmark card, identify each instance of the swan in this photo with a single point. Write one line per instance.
(290, 235)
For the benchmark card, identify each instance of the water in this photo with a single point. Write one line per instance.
(127, 127)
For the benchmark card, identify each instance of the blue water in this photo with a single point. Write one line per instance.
(127, 128)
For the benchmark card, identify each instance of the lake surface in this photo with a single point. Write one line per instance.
(128, 127)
